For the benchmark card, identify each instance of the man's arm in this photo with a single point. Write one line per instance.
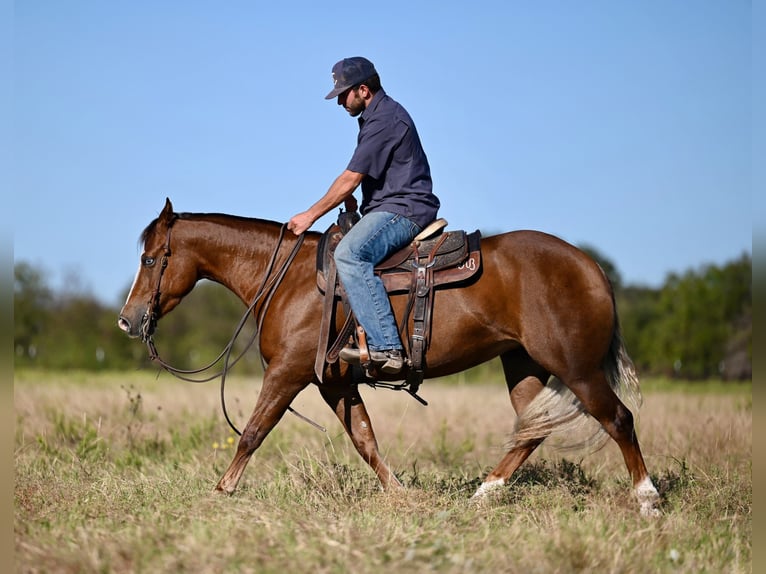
(340, 190)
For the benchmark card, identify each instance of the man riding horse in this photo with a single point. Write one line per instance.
(397, 202)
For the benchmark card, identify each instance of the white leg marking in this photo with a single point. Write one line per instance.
(648, 497)
(486, 487)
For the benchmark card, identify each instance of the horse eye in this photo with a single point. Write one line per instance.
(148, 261)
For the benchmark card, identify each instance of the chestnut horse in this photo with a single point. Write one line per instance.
(540, 304)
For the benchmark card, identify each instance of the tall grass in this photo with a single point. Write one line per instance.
(114, 473)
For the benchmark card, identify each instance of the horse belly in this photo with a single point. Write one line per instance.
(470, 325)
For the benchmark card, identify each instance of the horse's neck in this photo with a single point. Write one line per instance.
(237, 253)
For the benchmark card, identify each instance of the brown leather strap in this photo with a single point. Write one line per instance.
(361, 341)
(324, 329)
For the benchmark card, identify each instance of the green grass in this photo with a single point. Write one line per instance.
(115, 472)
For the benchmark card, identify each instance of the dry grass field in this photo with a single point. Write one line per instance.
(114, 473)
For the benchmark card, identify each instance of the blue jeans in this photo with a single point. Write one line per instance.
(376, 236)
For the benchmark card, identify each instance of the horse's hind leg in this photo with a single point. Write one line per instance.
(347, 404)
(602, 403)
(525, 380)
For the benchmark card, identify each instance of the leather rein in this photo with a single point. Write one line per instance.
(265, 291)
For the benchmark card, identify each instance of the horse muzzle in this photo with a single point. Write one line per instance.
(124, 325)
(143, 327)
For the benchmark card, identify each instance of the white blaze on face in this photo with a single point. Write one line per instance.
(133, 286)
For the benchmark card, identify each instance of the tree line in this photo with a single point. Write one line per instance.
(698, 325)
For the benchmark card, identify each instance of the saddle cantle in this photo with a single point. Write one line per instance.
(435, 258)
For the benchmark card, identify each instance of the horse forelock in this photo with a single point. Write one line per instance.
(147, 233)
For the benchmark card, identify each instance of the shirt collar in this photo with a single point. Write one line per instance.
(372, 106)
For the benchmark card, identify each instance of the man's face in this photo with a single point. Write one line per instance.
(352, 101)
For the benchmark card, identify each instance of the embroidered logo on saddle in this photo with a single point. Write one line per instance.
(435, 258)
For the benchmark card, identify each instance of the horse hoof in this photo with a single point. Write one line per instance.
(650, 511)
(221, 490)
(487, 487)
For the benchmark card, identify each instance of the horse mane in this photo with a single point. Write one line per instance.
(221, 217)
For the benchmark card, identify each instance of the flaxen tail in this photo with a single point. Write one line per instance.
(557, 413)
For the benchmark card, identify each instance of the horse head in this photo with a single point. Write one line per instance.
(161, 281)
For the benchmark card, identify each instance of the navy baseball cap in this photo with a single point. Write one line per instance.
(348, 73)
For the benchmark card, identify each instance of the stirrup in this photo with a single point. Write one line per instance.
(405, 386)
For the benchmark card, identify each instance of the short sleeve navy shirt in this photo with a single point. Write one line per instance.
(397, 177)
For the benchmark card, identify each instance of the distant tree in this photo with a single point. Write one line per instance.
(69, 329)
(638, 310)
(201, 326)
(72, 340)
(700, 315)
(737, 286)
(32, 301)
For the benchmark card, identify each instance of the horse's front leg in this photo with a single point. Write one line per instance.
(347, 404)
(274, 399)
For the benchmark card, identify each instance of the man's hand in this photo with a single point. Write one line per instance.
(340, 190)
(300, 222)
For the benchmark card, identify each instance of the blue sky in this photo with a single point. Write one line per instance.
(622, 125)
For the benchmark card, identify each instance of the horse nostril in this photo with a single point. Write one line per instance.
(123, 324)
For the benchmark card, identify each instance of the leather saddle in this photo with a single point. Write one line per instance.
(435, 258)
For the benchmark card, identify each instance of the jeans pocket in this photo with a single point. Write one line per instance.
(406, 222)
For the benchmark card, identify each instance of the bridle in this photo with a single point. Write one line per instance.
(149, 319)
(266, 290)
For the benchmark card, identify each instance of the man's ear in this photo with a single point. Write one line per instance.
(364, 92)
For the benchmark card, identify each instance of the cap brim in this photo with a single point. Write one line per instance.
(336, 92)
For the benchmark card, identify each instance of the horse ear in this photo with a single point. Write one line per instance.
(167, 211)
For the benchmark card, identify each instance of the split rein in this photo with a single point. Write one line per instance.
(266, 291)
